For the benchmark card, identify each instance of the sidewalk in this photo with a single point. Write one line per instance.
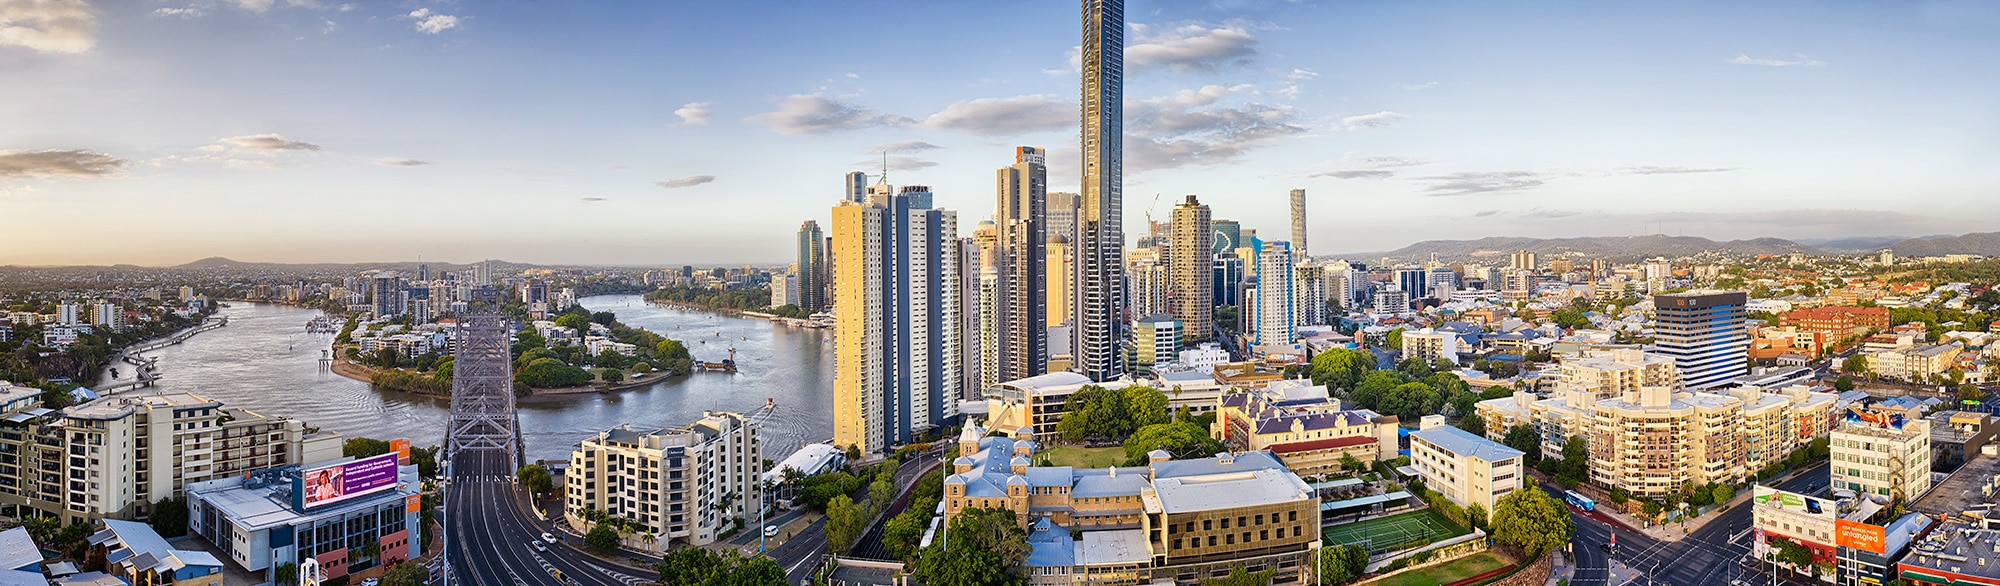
(1673, 532)
(1560, 568)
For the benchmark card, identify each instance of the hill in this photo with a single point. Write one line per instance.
(1611, 248)
(1980, 243)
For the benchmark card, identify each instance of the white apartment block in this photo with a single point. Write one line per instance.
(1616, 372)
(1430, 345)
(1879, 453)
(1468, 469)
(690, 483)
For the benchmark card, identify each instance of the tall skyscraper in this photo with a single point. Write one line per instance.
(1704, 333)
(1413, 280)
(896, 371)
(1308, 293)
(1228, 236)
(1021, 192)
(813, 270)
(1192, 267)
(856, 188)
(1299, 222)
(1146, 283)
(983, 351)
(1276, 320)
(1100, 321)
(1228, 275)
(1061, 270)
(969, 314)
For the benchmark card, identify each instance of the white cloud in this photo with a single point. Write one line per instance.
(1356, 166)
(58, 163)
(689, 181)
(189, 11)
(694, 113)
(1376, 120)
(812, 114)
(1190, 47)
(432, 22)
(1798, 60)
(48, 26)
(266, 143)
(907, 146)
(1006, 116)
(1472, 182)
(1674, 170)
(896, 163)
(1194, 127)
(401, 162)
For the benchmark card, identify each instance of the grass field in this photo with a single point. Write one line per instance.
(1446, 573)
(1387, 533)
(1086, 457)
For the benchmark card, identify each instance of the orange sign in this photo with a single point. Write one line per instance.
(402, 449)
(415, 504)
(1859, 535)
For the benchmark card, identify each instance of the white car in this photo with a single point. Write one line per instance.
(770, 530)
(545, 537)
(370, 582)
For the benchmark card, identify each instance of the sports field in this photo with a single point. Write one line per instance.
(1391, 532)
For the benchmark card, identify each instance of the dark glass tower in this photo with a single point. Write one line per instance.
(1099, 327)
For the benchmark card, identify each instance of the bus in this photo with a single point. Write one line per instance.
(1579, 501)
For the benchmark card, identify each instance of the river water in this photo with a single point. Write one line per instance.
(265, 361)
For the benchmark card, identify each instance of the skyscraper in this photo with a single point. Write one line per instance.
(1228, 235)
(969, 315)
(856, 188)
(1147, 282)
(1308, 293)
(1277, 322)
(1100, 254)
(983, 349)
(896, 371)
(1299, 222)
(1704, 333)
(1021, 191)
(812, 267)
(1192, 265)
(1061, 270)
(1522, 260)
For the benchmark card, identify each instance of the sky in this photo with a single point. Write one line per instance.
(663, 133)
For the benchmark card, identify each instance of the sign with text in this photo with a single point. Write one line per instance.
(338, 482)
(1859, 535)
(1794, 502)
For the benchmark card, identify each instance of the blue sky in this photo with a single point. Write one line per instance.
(156, 132)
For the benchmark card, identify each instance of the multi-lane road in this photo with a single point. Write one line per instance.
(491, 538)
(1712, 554)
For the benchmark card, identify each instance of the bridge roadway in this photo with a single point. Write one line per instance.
(491, 534)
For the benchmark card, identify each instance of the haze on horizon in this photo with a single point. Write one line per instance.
(161, 132)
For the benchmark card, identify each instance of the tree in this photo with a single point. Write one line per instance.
(1843, 384)
(1532, 521)
(575, 322)
(1476, 515)
(881, 492)
(1724, 493)
(671, 350)
(610, 375)
(1333, 566)
(364, 447)
(1473, 424)
(548, 373)
(694, 566)
(1855, 365)
(1415, 368)
(1349, 463)
(170, 517)
(1971, 392)
(1241, 577)
(1570, 319)
(1341, 368)
(603, 538)
(985, 546)
(1791, 553)
(1181, 439)
(1394, 339)
(844, 523)
(1620, 495)
(901, 533)
(286, 573)
(1145, 406)
(1523, 437)
(1368, 393)
(535, 478)
(405, 574)
(1410, 401)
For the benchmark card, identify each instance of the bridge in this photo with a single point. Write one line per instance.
(143, 368)
(490, 532)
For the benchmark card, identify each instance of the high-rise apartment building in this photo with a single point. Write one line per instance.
(812, 275)
(1704, 334)
(896, 283)
(1193, 271)
(1021, 191)
(1413, 280)
(982, 348)
(1099, 328)
(689, 483)
(1299, 222)
(1522, 260)
(970, 318)
(1881, 453)
(386, 293)
(1060, 267)
(1309, 293)
(1147, 282)
(784, 289)
(1061, 213)
(855, 189)
(1276, 320)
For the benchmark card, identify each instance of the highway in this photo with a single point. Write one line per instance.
(1713, 554)
(491, 536)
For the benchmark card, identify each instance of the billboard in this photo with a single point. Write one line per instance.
(1859, 535)
(1795, 502)
(330, 484)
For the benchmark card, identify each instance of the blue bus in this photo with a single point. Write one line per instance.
(1579, 501)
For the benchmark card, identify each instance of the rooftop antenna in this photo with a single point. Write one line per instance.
(885, 168)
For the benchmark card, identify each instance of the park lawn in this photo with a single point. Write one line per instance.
(1448, 572)
(1085, 457)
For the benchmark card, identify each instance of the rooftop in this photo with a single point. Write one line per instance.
(18, 550)
(1463, 443)
(1114, 547)
(1234, 489)
(1962, 489)
(1962, 548)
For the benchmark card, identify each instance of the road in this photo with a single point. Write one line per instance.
(1710, 555)
(869, 546)
(490, 534)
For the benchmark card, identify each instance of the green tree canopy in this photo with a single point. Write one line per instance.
(845, 521)
(1180, 439)
(535, 478)
(363, 447)
(1410, 401)
(1532, 521)
(985, 547)
(1523, 437)
(1341, 368)
(603, 538)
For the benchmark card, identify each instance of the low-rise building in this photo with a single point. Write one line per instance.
(1879, 453)
(1914, 363)
(1431, 345)
(1468, 469)
(1836, 323)
(134, 552)
(1038, 401)
(262, 520)
(1303, 427)
(687, 484)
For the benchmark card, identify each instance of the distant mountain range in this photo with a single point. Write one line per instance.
(1980, 243)
(1611, 248)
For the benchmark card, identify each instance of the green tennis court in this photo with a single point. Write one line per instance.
(1392, 532)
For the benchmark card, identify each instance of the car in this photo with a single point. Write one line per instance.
(546, 536)
(770, 530)
(1604, 546)
(539, 546)
(370, 582)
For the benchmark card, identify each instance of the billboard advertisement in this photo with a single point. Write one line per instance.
(1859, 535)
(330, 484)
(1794, 502)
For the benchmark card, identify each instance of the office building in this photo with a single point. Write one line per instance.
(1169, 520)
(1228, 280)
(1704, 334)
(1392, 299)
(1468, 469)
(1228, 235)
(1099, 328)
(1299, 222)
(813, 267)
(1881, 453)
(1413, 280)
(1522, 261)
(855, 188)
(688, 483)
(255, 522)
(1192, 269)
(1156, 339)
(1441, 282)
(1275, 320)
(896, 286)
(1018, 217)
(1061, 212)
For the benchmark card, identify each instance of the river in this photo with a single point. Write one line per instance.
(265, 361)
